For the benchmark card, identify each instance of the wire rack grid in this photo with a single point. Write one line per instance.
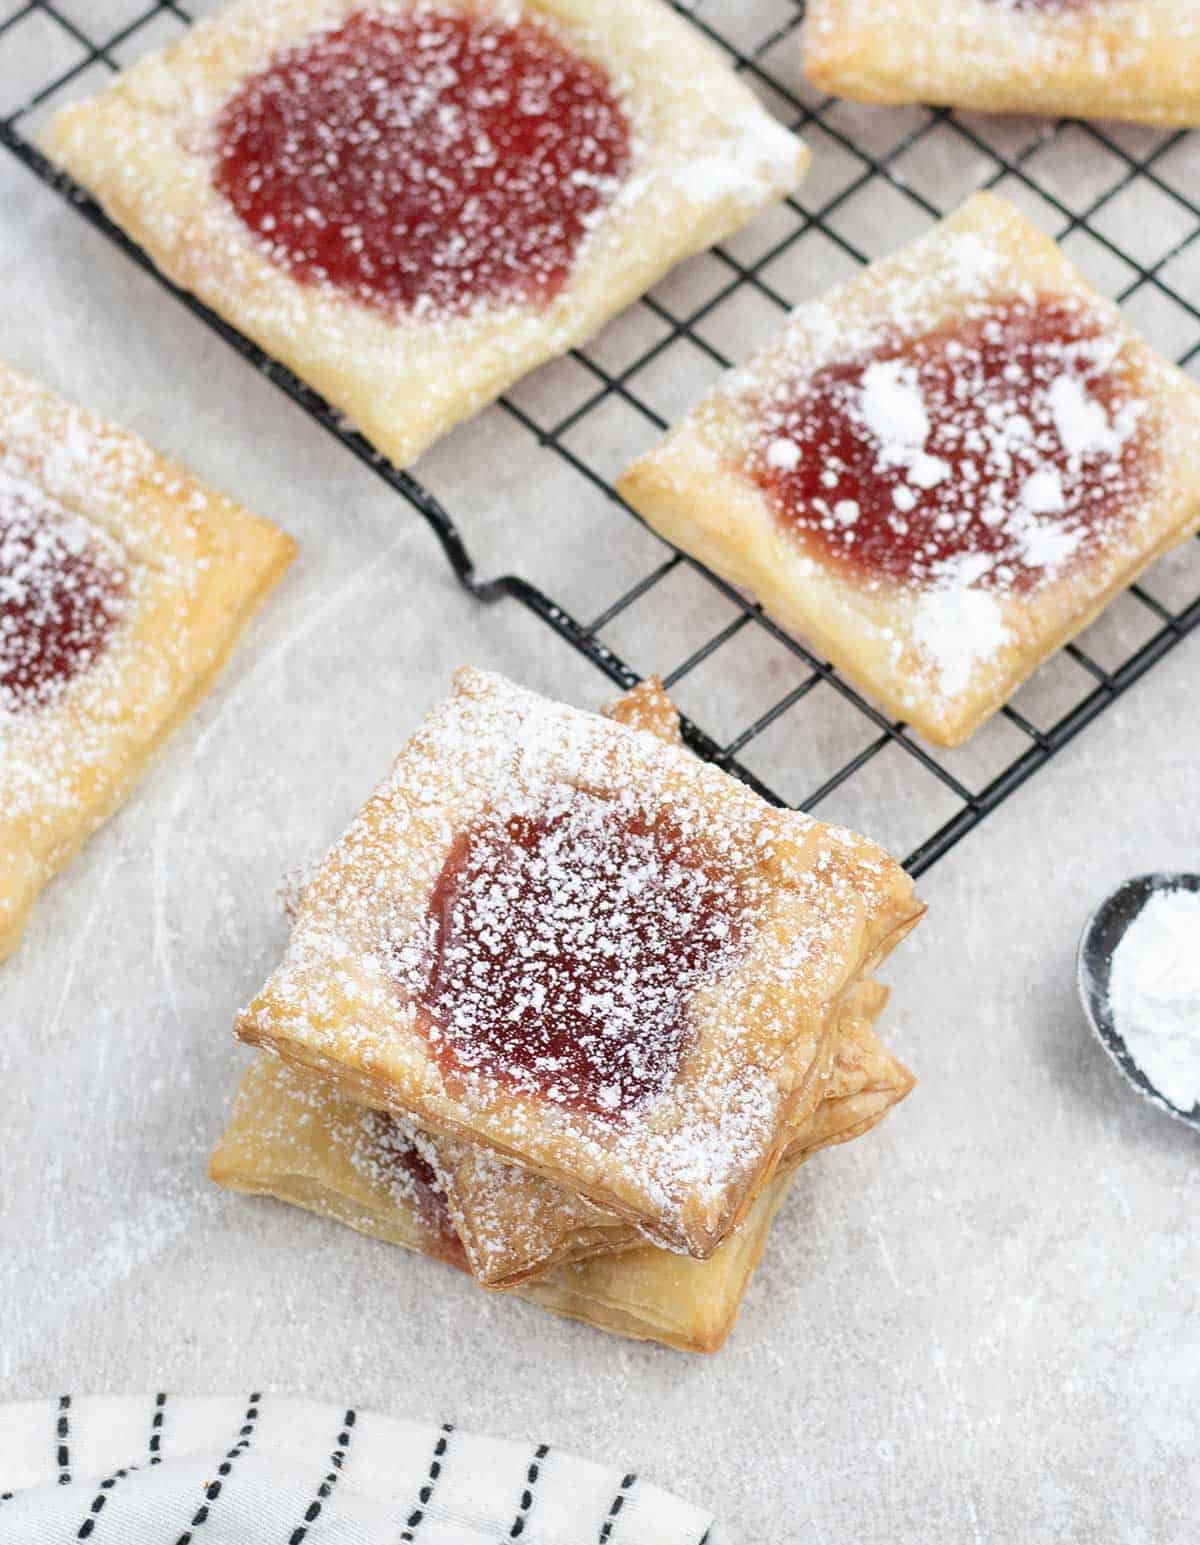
(1116, 196)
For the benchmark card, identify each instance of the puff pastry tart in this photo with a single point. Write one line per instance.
(123, 585)
(941, 472)
(413, 204)
(1136, 59)
(558, 937)
(296, 1139)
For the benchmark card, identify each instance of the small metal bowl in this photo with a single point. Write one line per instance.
(1102, 932)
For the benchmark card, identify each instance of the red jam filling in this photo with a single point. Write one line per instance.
(420, 1185)
(561, 950)
(1008, 441)
(60, 597)
(430, 159)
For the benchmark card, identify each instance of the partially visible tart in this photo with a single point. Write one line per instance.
(124, 583)
(412, 203)
(1135, 59)
(941, 472)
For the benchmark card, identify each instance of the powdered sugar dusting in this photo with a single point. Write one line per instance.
(562, 946)
(65, 587)
(113, 612)
(1082, 424)
(757, 155)
(893, 409)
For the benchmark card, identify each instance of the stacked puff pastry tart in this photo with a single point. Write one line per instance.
(412, 203)
(567, 1008)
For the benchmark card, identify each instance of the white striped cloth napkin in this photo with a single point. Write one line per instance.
(261, 1470)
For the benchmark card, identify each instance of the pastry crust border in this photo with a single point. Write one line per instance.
(546, 1227)
(293, 1142)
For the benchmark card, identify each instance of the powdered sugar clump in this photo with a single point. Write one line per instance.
(892, 407)
(783, 455)
(957, 628)
(757, 155)
(1082, 424)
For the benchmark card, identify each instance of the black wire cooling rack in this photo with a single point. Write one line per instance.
(1115, 195)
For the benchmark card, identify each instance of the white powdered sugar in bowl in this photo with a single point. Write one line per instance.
(1154, 994)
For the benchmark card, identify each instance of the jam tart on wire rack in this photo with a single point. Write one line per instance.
(413, 204)
(941, 472)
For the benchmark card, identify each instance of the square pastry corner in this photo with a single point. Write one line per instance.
(556, 936)
(515, 173)
(941, 472)
(1132, 59)
(124, 583)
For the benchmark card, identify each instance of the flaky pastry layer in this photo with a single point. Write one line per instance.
(299, 1141)
(514, 1226)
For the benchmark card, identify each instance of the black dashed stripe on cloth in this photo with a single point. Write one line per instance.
(63, 1431)
(313, 1511)
(413, 1521)
(704, 1537)
(156, 1428)
(98, 1501)
(618, 1502)
(213, 1490)
(531, 1480)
